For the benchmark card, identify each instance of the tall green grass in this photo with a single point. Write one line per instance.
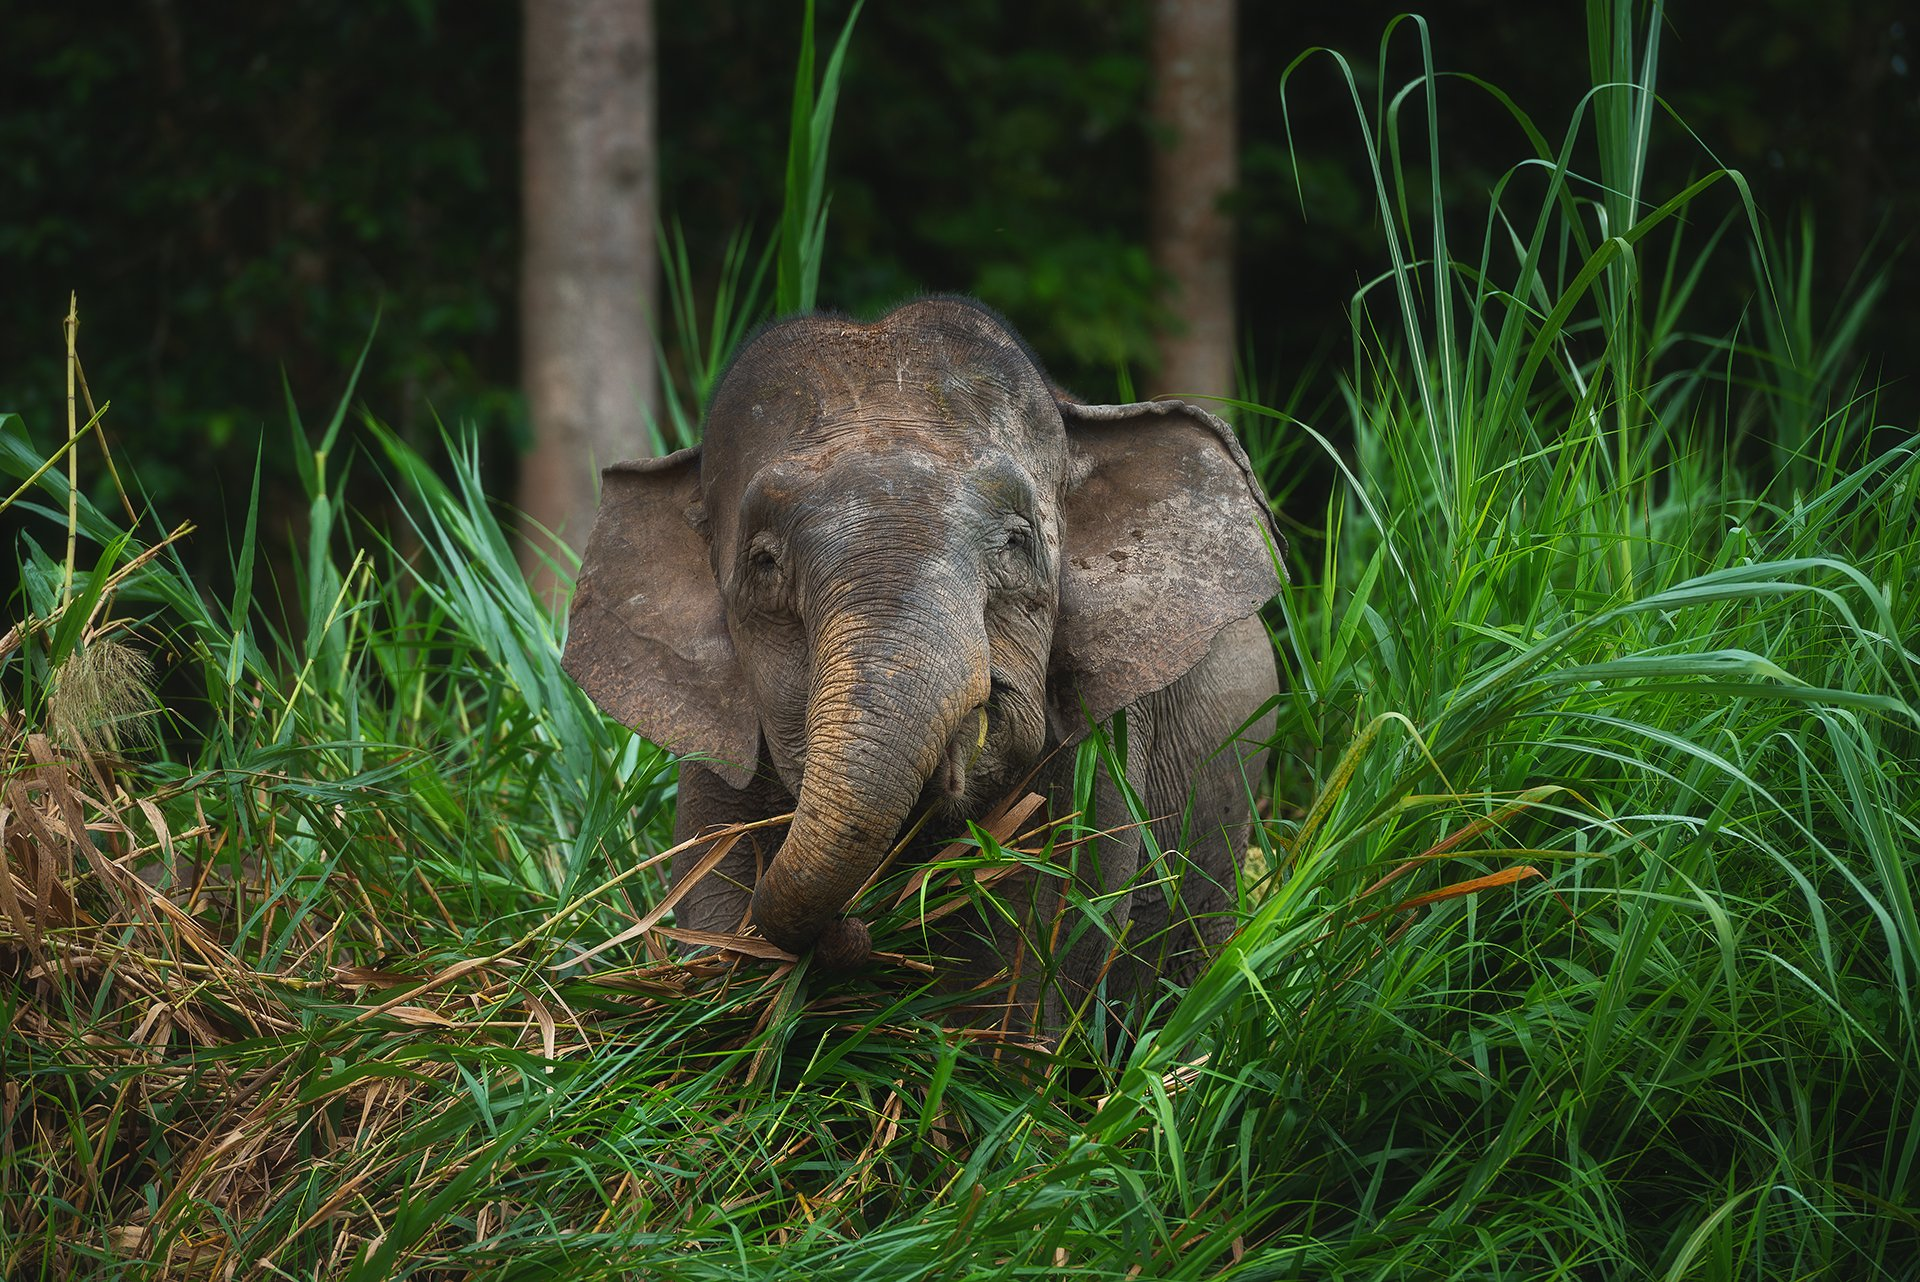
(1588, 945)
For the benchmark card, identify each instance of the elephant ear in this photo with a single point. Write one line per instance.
(1167, 539)
(647, 637)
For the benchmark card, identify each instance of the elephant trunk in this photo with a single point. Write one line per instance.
(882, 720)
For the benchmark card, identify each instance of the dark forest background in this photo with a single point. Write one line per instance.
(235, 191)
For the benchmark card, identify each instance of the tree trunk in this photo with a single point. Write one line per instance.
(1195, 167)
(589, 263)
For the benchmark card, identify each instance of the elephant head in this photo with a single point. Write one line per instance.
(900, 565)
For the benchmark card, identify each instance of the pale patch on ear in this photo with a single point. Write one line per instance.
(1168, 539)
(647, 637)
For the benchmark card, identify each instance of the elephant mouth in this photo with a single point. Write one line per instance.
(975, 770)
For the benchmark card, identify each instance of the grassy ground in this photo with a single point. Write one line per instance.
(1588, 945)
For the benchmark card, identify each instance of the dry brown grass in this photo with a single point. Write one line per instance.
(116, 944)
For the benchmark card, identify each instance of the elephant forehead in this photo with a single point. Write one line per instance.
(880, 381)
(884, 434)
(898, 356)
(946, 406)
(832, 490)
(856, 472)
(881, 432)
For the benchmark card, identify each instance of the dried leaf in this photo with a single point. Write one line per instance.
(750, 945)
(420, 1017)
(1505, 877)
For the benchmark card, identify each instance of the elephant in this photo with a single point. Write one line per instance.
(904, 573)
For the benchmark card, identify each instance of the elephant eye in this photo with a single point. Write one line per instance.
(763, 561)
(1016, 548)
(763, 548)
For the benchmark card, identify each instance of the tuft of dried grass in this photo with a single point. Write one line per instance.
(115, 942)
(102, 699)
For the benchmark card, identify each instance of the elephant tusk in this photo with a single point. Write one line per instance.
(980, 741)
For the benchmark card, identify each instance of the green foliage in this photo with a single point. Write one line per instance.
(1588, 945)
(234, 195)
(797, 250)
(803, 225)
(1006, 161)
(235, 192)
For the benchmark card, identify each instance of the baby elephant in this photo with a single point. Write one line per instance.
(904, 572)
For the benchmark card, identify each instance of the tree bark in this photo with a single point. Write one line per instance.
(1195, 166)
(589, 265)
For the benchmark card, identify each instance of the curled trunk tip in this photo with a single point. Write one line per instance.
(845, 945)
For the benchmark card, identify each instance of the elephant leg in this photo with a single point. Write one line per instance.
(1086, 934)
(1034, 952)
(1200, 783)
(1062, 935)
(721, 898)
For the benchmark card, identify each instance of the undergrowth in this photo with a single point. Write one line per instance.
(1586, 942)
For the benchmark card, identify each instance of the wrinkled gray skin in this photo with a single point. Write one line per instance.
(889, 530)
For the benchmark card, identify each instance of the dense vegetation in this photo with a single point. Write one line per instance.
(236, 191)
(1582, 940)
